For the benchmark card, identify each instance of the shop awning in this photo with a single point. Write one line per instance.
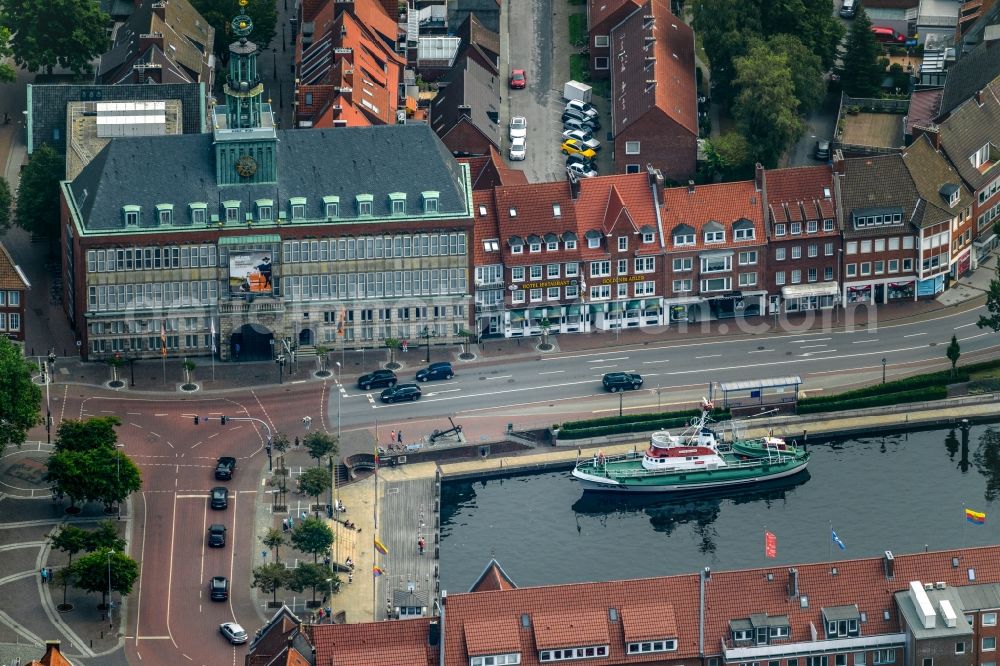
(816, 289)
(517, 315)
(652, 304)
(596, 307)
(634, 305)
(573, 310)
(537, 314)
(616, 306)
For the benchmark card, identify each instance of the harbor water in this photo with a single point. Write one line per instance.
(899, 492)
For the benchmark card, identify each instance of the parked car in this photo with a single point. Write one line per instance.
(585, 138)
(822, 151)
(621, 381)
(219, 587)
(401, 393)
(224, 468)
(574, 147)
(888, 35)
(216, 535)
(585, 107)
(518, 149)
(518, 80)
(233, 632)
(575, 124)
(442, 370)
(518, 127)
(581, 170)
(575, 114)
(580, 159)
(220, 497)
(377, 378)
(849, 9)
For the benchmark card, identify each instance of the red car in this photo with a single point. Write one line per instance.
(888, 35)
(517, 79)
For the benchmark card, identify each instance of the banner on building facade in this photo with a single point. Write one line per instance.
(250, 273)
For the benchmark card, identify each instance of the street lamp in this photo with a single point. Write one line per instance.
(130, 356)
(339, 381)
(621, 402)
(118, 474)
(838, 304)
(274, 61)
(883, 370)
(427, 334)
(272, 346)
(280, 361)
(111, 624)
(46, 378)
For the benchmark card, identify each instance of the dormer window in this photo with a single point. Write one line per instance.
(569, 240)
(232, 211)
(828, 225)
(648, 237)
(841, 621)
(983, 158)
(496, 660)
(551, 242)
(397, 200)
(742, 634)
(643, 647)
(430, 201)
(265, 209)
(743, 230)
(331, 206)
(593, 239)
(297, 206)
(165, 214)
(131, 215)
(365, 204)
(951, 193)
(714, 233)
(199, 213)
(516, 244)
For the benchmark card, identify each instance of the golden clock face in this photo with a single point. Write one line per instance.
(246, 166)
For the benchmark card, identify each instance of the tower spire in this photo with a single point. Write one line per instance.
(243, 87)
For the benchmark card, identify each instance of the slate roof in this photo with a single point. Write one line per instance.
(480, 38)
(674, 92)
(470, 84)
(376, 643)
(930, 172)
(972, 72)
(730, 595)
(11, 275)
(601, 10)
(798, 194)
(489, 171)
(969, 128)
(146, 171)
(895, 190)
(724, 203)
(183, 55)
(924, 108)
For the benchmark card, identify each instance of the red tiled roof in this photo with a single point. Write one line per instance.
(571, 629)
(672, 68)
(11, 276)
(493, 578)
(644, 623)
(801, 193)
(486, 228)
(492, 637)
(375, 643)
(724, 203)
(489, 171)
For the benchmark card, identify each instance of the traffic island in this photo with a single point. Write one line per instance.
(115, 384)
(189, 387)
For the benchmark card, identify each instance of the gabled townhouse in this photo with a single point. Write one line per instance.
(488, 12)
(488, 268)
(654, 115)
(602, 15)
(803, 250)
(879, 206)
(972, 72)
(14, 288)
(923, 609)
(581, 255)
(161, 42)
(715, 250)
(348, 72)
(283, 640)
(466, 111)
(945, 219)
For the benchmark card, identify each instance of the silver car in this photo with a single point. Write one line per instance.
(236, 634)
(581, 170)
(585, 138)
(518, 149)
(518, 127)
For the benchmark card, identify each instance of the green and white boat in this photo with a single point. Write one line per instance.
(696, 460)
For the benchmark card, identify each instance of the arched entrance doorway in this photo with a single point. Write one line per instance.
(252, 342)
(305, 337)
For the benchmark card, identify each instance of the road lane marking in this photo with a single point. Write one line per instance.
(818, 351)
(152, 638)
(662, 360)
(913, 335)
(861, 342)
(813, 346)
(973, 337)
(161, 414)
(971, 323)
(298, 381)
(759, 351)
(604, 360)
(501, 377)
(195, 496)
(444, 391)
(708, 356)
(813, 340)
(551, 372)
(170, 571)
(204, 529)
(599, 367)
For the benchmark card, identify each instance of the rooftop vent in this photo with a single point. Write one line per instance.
(948, 613)
(922, 602)
(940, 585)
(928, 586)
(889, 564)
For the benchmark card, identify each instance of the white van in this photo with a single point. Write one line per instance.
(849, 9)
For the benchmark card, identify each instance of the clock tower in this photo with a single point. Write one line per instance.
(245, 137)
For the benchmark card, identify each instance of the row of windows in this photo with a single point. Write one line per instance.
(574, 653)
(10, 298)
(151, 343)
(652, 646)
(549, 294)
(988, 644)
(10, 321)
(879, 245)
(496, 660)
(377, 247)
(535, 246)
(880, 267)
(152, 295)
(602, 292)
(603, 268)
(151, 258)
(860, 659)
(811, 273)
(877, 220)
(418, 313)
(517, 273)
(134, 326)
(714, 236)
(987, 217)
(812, 250)
(795, 228)
(368, 332)
(374, 285)
(989, 190)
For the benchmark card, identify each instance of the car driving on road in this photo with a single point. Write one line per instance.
(220, 497)
(442, 370)
(518, 79)
(401, 393)
(376, 379)
(219, 587)
(216, 535)
(233, 632)
(621, 381)
(224, 468)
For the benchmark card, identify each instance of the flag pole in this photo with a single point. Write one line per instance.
(829, 547)
(765, 545)
(965, 519)
(374, 537)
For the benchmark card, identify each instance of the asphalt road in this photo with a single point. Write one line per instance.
(557, 385)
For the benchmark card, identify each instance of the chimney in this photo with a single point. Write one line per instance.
(655, 176)
(465, 110)
(574, 186)
(793, 582)
(758, 176)
(434, 633)
(160, 9)
(889, 564)
(979, 97)
(51, 650)
(690, 187)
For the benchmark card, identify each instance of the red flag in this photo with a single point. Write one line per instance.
(770, 544)
(163, 337)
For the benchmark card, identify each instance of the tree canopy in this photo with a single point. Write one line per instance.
(269, 577)
(116, 477)
(70, 539)
(95, 433)
(96, 571)
(806, 69)
(992, 320)
(7, 72)
(311, 575)
(6, 198)
(766, 106)
(38, 194)
(220, 13)
(20, 398)
(313, 536)
(315, 481)
(67, 33)
(862, 72)
(320, 444)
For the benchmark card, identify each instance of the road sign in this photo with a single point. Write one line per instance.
(911, 42)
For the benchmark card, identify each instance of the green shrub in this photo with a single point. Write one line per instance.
(685, 415)
(897, 398)
(619, 428)
(933, 379)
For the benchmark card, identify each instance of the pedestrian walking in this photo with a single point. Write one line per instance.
(326, 560)
(291, 523)
(350, 576)
(296, 442)
(48, 574)
(284, 524)
(45, 575)
(392, 436)
(399, 436)
(305, 514)
(420, 545)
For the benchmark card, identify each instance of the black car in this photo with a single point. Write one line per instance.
(220, 497)
(575, 114)
(400, 393)
(572, 123)
(216, 536)
(440, 370)
(377, 378)
(219, 587)
(578, 159)
(224, 468)
(620, 381)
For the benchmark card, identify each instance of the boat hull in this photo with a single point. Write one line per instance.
(691, 482)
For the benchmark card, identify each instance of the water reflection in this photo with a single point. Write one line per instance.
(987, 459)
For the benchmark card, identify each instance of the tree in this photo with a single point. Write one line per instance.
(70, 539)
(953, 352)
(274, 539)
(279, 442)
(862, 72)
(467, 338)
(97, 571)
(69, 475)
(393, 344)
(105, 537)
(807, 71)
(6, 199)
(68, 33)
(38, 195)
(321, 354)
(320, 444)
(992, 321)
(7, 73)
(20, 398)
(312, 535)
(728, 156)
(189, 367)
(95, 433)
(810, 22)
(766, 108)
(115, 476)
(219, 14)
(311, 575)
(315, 481)
(269, 577)
(725, 29)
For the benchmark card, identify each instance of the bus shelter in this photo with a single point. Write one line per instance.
(753, 396)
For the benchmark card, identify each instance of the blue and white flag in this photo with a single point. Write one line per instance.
(836, 540)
